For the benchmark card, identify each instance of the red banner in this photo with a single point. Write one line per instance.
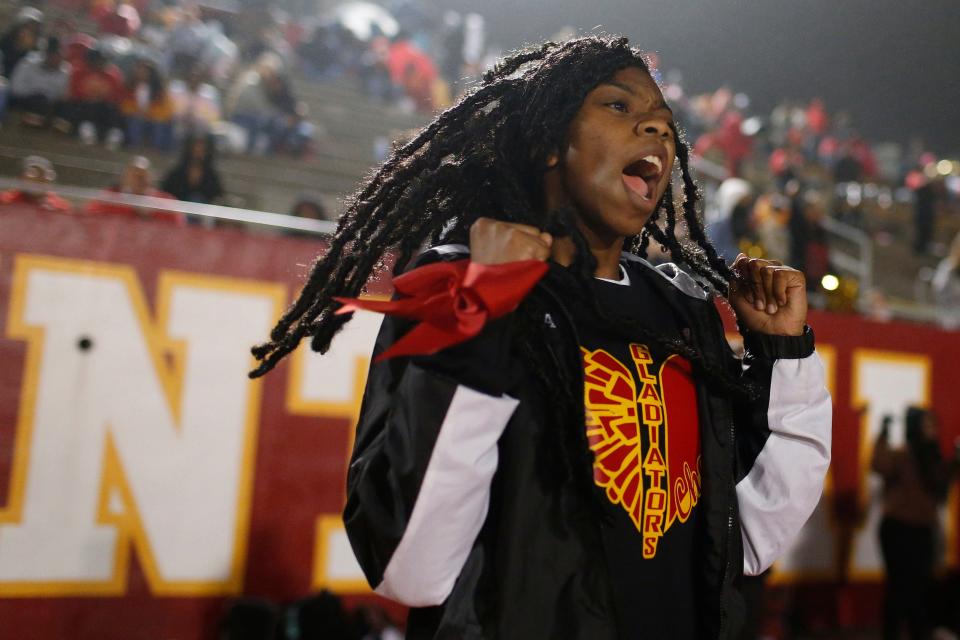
(144, 479)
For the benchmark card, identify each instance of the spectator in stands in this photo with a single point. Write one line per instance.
(268, 39)
(38, 170)
(219, 55)
(947, 275)
(195, 177)
(771, 213)
(945, 286)
(925, 197)
(93, 105)
(76, 49)
(728, 222)
(196, 104)
(137, 180)
(309, 206)
(147, 107)
(117, 19)
(287, 128)
(39, 85)
(729, 140)
(249, 104)
(809, 244)
(330, 51)
(373, 73)
(186, 43)
(21, 38)
(413, 70)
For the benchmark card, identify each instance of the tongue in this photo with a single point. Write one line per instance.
(636, 184)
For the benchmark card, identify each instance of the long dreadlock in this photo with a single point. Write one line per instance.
(486, 157)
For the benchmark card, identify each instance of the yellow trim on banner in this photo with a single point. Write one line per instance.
(170, 375)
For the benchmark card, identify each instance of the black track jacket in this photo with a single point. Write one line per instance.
(450, 511)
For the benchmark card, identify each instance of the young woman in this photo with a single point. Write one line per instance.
(195, 177)
(582, 457)
(147, 107)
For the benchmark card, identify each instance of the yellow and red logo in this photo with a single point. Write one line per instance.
(661, 484)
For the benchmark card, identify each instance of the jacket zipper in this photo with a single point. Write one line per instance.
(726, 565)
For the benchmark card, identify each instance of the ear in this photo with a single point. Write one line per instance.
(553, 160)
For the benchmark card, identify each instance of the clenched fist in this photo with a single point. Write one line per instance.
(769, 297)
(496, 242)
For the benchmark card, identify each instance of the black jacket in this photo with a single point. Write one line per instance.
(449, 509)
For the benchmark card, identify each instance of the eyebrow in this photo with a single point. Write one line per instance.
(631, 90)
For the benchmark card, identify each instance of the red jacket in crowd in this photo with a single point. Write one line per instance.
(102, 207)
(96, 85)
(48, 201)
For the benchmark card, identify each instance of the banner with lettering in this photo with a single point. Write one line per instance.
(145, 480)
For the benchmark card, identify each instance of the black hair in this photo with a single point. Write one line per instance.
(486, 157)
(209, 150)
(925, 452)
(156, 83)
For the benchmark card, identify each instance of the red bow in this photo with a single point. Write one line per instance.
(452, 301)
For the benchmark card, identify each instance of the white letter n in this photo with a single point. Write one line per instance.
(131, 430)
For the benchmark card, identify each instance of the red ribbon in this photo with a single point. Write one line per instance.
(451, 300)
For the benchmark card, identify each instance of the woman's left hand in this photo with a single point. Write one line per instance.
(769, 297)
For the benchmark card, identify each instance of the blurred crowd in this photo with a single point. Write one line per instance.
(781, 179)
(155, 72)
(169, 76)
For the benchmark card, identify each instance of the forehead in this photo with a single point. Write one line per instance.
(634, 80)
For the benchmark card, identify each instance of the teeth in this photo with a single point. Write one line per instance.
(655, 161)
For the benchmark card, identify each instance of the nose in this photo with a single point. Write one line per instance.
(655, 127)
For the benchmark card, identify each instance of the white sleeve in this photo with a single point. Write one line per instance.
(452, 503)
(785, 482)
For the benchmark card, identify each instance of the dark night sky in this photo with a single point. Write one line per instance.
(893, 64)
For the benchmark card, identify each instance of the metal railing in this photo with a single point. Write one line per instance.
(853, 255)
(149, 204)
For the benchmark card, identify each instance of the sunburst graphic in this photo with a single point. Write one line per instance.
(613, 431)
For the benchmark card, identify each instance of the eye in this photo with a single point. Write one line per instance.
(619, 105)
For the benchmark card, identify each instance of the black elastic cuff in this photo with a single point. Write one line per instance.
(770, 347)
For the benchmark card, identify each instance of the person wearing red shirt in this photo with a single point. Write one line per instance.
(38, 170)
(136, 181)
(96, 88)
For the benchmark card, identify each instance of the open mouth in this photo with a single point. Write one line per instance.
(642, 176)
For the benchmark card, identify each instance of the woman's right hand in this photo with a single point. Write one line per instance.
(496, 242)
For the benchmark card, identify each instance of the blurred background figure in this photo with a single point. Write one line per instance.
(249, 100)
(728, 222)
(308, 206)
(39, 171)
(136, 180)
(93, 103)
(196, 104)
(21, 38)
(251, 619)
(39, 84)
(195, 177)
(915, 483)
(320, 616)
(945, 286)
(147, 107)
